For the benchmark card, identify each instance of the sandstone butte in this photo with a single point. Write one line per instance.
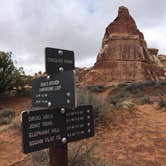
(124, 55)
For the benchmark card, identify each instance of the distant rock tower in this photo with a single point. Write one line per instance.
(124, 55)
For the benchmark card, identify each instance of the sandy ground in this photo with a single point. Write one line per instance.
(138, 140)
(130, 139)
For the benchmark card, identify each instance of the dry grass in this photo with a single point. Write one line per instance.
(100, 107)
(83, 156)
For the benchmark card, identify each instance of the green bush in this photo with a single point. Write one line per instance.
(9, 74)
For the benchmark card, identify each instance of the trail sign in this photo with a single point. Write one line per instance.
(42, 129)
(80, 123)
(53, 120)
(58, 60)
(54, 91)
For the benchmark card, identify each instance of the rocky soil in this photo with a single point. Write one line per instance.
(131, 139)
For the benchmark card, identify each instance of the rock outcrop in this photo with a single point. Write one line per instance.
(155, 58)
(163, 61)
(124, 55)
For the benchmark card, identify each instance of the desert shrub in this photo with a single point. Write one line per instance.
(6, 116)
(126, 105)
(122, 84)
(96, 88)
(162, 82)
(100, 107)
(114, 99)
(144, 100)
(149, 83)
(162, 102)
(83, 156)
(9, 74)
(134, 86)
(7, 112)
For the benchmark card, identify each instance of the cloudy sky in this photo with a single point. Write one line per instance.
(28, 26)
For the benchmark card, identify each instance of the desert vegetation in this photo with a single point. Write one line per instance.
(6, 116)
(13, 79)
(139, 93)
(100, 107)
(80, 155)
(121, 103)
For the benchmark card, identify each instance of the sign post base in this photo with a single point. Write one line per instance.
(58, 155)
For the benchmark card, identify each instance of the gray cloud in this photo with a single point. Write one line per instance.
(27, 27)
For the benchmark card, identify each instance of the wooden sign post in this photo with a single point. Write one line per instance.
(58, 155)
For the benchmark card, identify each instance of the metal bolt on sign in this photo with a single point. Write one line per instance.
(68, 94)
(88, 124)
(88, 117)
(64, 140)
(62, 110)
(48, 77)
(89, 130)
(61, 69)
(68, 101)
(88, 111)
(49, 104)
(60, 52)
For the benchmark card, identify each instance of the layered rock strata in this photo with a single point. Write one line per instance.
(124, 55)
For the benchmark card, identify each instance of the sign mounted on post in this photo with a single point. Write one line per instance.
(53, 120)
(58, 60)
(54, 91)
(42, 129)
(80, 123)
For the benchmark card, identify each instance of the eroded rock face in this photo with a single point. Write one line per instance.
(163, 61)
(124, 55)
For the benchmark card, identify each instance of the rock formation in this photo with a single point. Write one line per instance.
(154, 57)
(163, 61)
(124, 55)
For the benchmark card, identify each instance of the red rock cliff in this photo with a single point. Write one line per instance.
(124, 55)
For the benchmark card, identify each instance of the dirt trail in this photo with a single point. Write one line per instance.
(131, 139)
(139, 139)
